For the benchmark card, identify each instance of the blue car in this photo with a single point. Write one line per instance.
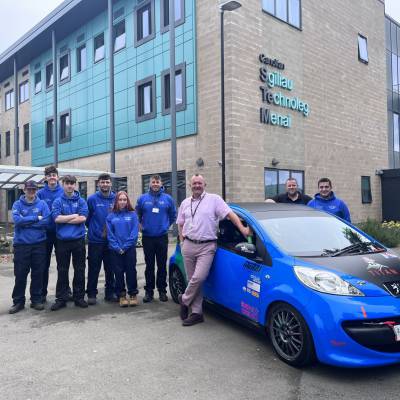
(321, 288)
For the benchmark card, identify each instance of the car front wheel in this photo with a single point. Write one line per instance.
(290, 335)
(177, 284)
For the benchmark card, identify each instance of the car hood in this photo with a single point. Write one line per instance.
(381, 269)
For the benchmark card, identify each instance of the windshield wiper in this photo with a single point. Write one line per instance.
(356, 247)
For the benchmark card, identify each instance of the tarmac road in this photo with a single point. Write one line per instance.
(105, 352)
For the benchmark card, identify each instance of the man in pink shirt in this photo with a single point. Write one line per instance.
(198, 220)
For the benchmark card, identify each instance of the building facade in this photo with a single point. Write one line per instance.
(305, 90)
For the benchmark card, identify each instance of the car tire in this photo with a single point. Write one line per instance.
(290, 336)
(177, 284)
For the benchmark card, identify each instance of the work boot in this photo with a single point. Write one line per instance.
(58, 305)
(148, 297)
(133, 301)
(193, 319)
(16, 308)
(81, 303)
(91, 301)
(123, 302)
(163, 297)
(111, 299)
(37, 306)
(184, 311)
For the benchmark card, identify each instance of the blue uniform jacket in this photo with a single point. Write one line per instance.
(332, 205)
(156, 223)
(122, 230)
(49, 195)
(66, 206)
(28, 229)
(99, 207)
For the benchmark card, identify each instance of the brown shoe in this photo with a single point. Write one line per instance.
(184, 312)
(133, 301)
(123, 302)
(193, 319)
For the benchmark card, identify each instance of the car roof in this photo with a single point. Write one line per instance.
(263, 210)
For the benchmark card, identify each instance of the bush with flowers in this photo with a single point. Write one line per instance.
(387, 232)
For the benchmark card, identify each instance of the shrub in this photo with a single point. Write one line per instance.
(388, 233)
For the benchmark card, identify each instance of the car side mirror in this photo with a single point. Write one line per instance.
(246, 249)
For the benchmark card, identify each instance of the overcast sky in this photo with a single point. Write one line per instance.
(19, 16)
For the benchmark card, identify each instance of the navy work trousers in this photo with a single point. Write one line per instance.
(99, 253)
(29, 257)
(155, 248)
(125, 270)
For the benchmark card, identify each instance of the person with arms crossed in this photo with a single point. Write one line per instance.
(327, 201)
(99, 205)
(69, 213)
(122, 233)
(156, 212)
(198, 220)
(31, 217)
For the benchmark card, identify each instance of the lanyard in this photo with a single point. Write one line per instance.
(195, 210)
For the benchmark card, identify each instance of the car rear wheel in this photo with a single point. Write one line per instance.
(177, 284)
(290, 335)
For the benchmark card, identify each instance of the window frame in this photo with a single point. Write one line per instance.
(68, 135)
(35, 82)
(145, 4)
(47, 143)
(94, 48)
(362, 37)
(49, 87)
(115, 37)
(79, 58)
(290, 171)
(180, 21)
(9, 94)
(150, 79)
(26, 84)
(164, 74)
(366, 198)
(26, 129)
(300, 27)
(68, 78)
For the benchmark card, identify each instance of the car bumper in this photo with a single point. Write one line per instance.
(354, 331)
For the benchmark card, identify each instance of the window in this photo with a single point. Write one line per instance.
(83, 189)
(9, 99)
(144, 23)
(119, 184)
(362, 49)
(366, 196)
(275, 180)
(180, 89)
(166, 178)
(23, 92)
(49, 75)
(8, 144)
(38, 81)
(99, 47)
(65, 127)
(396, 139)
(288, 11)
(49, 132)
(146, 99)
(64, 67)
(26, 137)
(81, 63)
(12, 196)
(119, 36)
(179, 14)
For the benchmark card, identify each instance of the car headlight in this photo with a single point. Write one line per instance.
(325, 282)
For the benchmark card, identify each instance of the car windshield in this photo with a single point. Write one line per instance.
(315, 234)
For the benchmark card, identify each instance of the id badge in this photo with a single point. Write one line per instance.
(156, 210)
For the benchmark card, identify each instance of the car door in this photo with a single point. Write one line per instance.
(235, 281)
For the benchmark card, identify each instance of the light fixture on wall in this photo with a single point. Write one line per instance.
(200, 162)
(274, 162)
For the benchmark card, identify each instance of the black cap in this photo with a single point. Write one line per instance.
(31, 185)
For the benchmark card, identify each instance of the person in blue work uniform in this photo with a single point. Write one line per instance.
(51, 191)
(69, 213)
(99, 205)
(327, 201)
(31, 217)
(156, 212)
(122, 234)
